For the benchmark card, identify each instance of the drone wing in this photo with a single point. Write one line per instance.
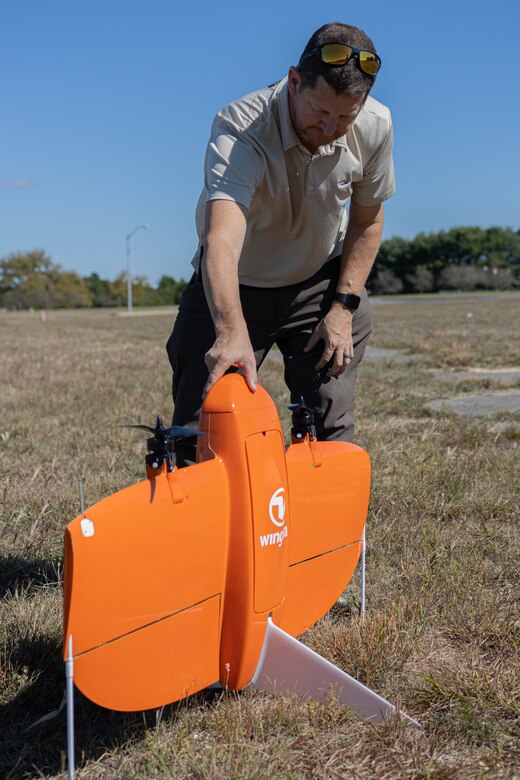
(144, 577)
(329, 485)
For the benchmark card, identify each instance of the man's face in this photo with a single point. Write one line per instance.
(319, 115)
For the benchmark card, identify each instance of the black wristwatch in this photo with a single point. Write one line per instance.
(350, 300)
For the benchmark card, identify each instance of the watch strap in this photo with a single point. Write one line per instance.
(350, 300)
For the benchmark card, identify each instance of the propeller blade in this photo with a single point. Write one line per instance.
(293, 407)
(141, 427)
(177, 431)
(303, 407)
(174, 432)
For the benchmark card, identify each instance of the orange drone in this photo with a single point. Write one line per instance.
(207, 573)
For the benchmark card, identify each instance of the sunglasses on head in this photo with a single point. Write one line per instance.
(337, 54)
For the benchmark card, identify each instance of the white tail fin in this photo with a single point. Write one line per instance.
(288, 667)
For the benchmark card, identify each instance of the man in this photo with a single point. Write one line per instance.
(277, 261)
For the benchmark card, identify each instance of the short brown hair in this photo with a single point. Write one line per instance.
(347, 78)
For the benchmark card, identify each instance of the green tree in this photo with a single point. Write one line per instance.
(24, 268)
(70, 290)
(494, 250)
(118, 289)
(19, 265)
(143, 294)
(501, 249)
(396, 255)
(32, 280)
(170, 290)
(100, 290)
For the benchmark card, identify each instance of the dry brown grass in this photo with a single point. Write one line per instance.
(466, 331)
(441, 635)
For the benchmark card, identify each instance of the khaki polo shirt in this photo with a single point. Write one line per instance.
(295, 200)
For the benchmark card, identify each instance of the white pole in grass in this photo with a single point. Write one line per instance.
(128, 270)
(69, 675)
(81, 496)
(363, 545)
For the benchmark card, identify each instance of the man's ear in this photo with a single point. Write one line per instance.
(294, 80)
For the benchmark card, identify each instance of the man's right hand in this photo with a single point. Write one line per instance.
(232, 349)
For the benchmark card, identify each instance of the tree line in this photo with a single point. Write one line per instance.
(463, 258)
(31, 280)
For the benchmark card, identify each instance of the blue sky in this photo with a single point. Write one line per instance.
(106, 109)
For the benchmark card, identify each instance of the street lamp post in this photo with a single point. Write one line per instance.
(128, 274)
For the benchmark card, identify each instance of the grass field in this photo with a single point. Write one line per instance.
(441, 635)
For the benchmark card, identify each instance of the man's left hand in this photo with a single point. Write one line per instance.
(335, 329)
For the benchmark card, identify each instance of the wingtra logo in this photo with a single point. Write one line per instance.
(277, 515)
(277, 507)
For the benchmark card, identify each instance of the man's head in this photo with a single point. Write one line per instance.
(350, 77)
(325, 100)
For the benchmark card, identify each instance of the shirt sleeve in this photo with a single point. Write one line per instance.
(233, 166)
(378, 182)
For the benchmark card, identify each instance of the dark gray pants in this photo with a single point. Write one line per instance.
(285, 316)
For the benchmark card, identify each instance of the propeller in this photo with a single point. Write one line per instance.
(161, 445)
(173, 432)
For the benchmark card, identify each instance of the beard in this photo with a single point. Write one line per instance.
(313, 137)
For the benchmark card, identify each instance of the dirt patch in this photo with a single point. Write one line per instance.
(499, 376)
(381, 354)
(478, 405)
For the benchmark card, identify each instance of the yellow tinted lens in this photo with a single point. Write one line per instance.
(369, 62)
(336, 53)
